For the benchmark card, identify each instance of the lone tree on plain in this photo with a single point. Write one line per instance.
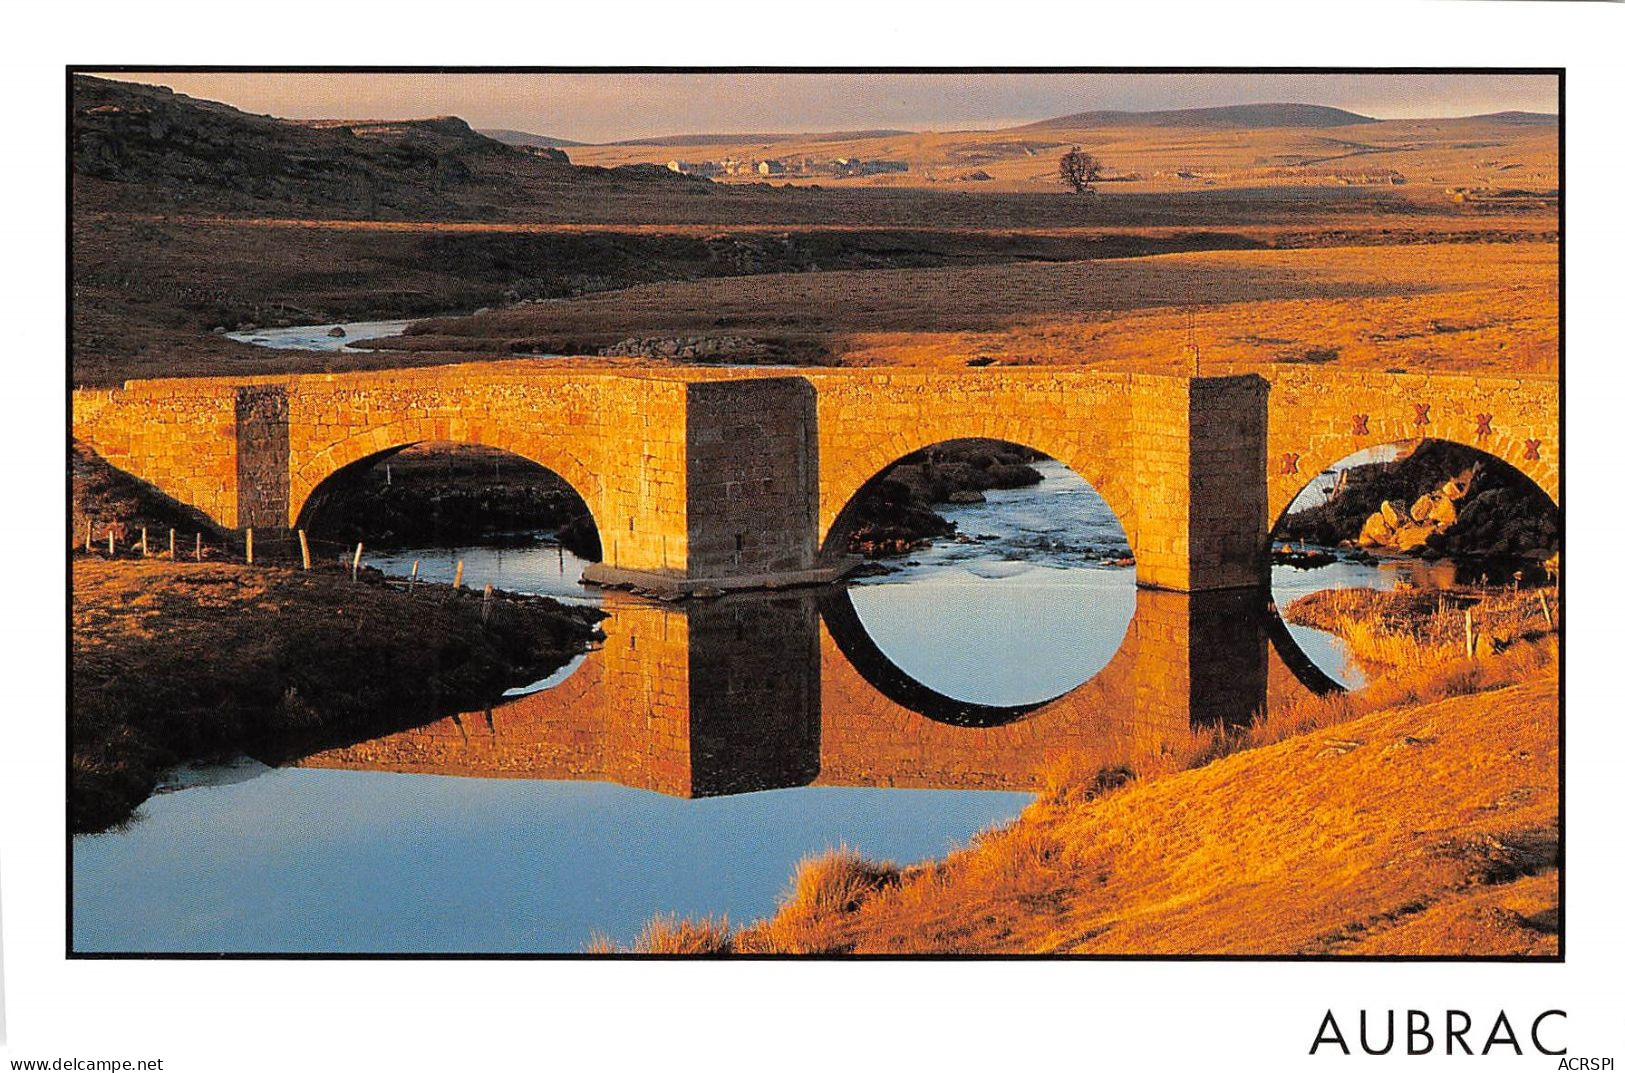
(1079, 170)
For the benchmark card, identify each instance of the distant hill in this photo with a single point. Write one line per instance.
(761, 138)
(1519, 119)
(521, 137)
(141, 148)
(1235, 116)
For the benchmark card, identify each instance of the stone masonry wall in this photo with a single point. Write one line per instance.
(178, 436)
(1228, 524)
(619, 440)
(262, 456)
(752, 477)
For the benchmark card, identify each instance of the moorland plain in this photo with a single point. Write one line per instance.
(191, 218)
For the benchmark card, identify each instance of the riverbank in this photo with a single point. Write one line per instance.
(177, 662)
(1415, 816)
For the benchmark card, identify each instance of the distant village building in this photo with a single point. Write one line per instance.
(688, 167)
(840, 167)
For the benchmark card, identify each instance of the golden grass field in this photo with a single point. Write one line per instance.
(1415, 244)
(1452, 307)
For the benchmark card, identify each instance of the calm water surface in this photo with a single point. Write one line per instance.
(558, 814)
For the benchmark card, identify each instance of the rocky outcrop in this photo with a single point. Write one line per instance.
(1402, 528)
(1441, 499)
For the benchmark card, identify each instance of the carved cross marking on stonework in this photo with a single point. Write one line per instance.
(1360, 426)
(1422, 409)
(1483, 426)
(1289, 463)
(1531, 450)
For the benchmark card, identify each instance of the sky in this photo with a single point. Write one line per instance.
(601, 107)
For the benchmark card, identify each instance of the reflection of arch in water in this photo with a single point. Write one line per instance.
(847, 630)
(717, 698)
(1206, 655)
(750, 693)
(1304, 670)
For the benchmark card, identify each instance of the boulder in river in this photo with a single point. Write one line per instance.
(336, 332)
(1411, 537)
(1393, 513)
(1375, 532)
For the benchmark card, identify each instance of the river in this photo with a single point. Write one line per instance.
(687, 764)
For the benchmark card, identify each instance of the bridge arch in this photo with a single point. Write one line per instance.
(853, 472)
(1320, 417)
(364, 449)
(1525, 470)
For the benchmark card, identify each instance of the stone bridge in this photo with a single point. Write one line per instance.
(736, 478)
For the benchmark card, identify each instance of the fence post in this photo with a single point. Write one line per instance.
(110, 542)
(143, 542)
(412, 584)
(250, 545)
(304, 550)
(457, 582)
(197, 551)
(90, 527)
(1545, 609)
(355, 564)
(1467, 620)
(485, 605)
(172, 545)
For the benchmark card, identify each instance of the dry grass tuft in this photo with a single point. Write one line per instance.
(824, 888)
(670, 936)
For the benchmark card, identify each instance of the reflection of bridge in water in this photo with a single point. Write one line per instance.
(758, 691)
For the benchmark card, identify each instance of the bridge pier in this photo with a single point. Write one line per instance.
(1200, 499)
(750, 506)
